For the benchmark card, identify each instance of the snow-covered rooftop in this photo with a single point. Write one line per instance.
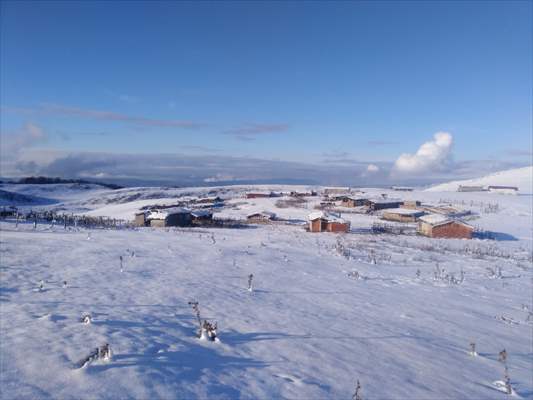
(435, 219)
(404, 211)
(163, 213)
(316, 215)
(201, 213)
(267, 214)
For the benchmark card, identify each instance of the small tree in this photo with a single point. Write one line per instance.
(250, 279)
(502, 357)
(472, 351)
(86, 319)
(196, 309)
(357, 393)
(208, 331)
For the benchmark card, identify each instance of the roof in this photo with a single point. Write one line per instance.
(404, 211)
(267, 214)
(354, 197)
(316, 215)
(201, 213)
(333, 218)
(328, 217)
(503, 187)
(164, 213)
(437, 220)
(384, 201)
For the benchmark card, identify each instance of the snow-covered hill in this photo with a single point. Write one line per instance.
(519, 177)
(327, 309)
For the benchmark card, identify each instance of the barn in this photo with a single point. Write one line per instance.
(439, 226)
(402, 215)
(169, 217)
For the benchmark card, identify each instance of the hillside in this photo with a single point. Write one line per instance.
(519, 177)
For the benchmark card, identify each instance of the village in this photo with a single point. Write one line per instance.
(395, 215)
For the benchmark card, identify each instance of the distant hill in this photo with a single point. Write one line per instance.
(44, 180)
(519, 177)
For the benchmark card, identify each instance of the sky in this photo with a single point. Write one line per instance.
(323, 92)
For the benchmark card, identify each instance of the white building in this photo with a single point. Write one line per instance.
(503, 189)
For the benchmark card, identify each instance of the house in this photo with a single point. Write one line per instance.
(321, 222)
(336, 190)
(317, 221)
(382, 204)
(169, 217)
(351, 201)
(503, 189)
(465, 188)
(402, 188)
(140, 219)
(439, 226)
(209, 200)
(402, 214)
(302, 194)
(411, 204)
(260, 195)
(201, 216)
(263, 216)
(11, 211)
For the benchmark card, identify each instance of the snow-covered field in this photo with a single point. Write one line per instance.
(326, 310)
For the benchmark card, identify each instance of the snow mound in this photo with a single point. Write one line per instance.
(519, 177)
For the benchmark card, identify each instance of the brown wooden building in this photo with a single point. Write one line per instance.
(382, 204)
(263, 216)
(439, 226)
(320, 222)
(350, 201)
(140, 219)
(402, 215)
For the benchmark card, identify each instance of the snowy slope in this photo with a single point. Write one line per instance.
(308, 331)
(520, 177)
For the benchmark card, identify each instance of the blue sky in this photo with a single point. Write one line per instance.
(334, 84)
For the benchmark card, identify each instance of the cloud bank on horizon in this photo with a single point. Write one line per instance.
(432, 162)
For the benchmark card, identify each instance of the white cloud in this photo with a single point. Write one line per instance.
(372, 168)
(431, 156)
